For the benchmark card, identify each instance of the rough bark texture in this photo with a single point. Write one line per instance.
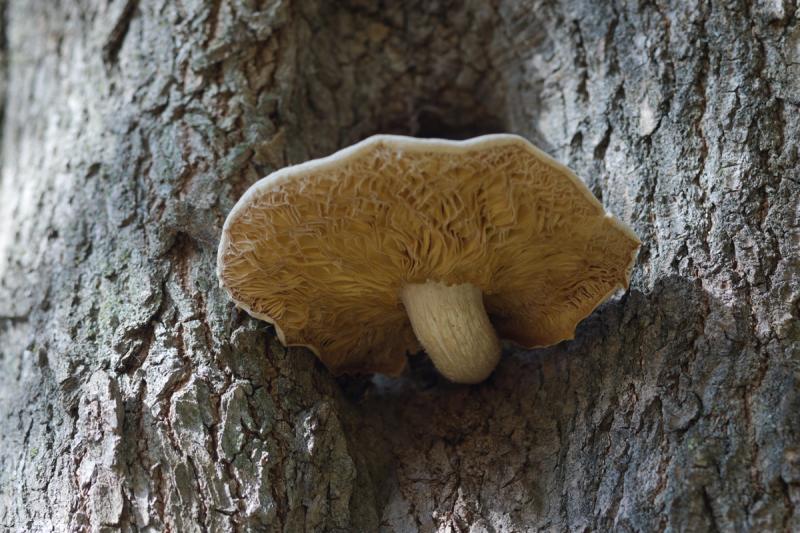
(133, 395)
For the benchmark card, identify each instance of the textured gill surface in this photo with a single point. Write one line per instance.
(326, 251)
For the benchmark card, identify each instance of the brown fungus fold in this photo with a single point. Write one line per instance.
(396, 241)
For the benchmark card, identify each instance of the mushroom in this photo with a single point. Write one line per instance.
(394, 242)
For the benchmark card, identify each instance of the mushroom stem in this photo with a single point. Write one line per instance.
(451, 324)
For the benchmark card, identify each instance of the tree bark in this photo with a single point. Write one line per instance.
(134, 396)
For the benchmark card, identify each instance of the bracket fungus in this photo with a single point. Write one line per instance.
(397, 242)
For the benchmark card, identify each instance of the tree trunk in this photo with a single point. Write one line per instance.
(134, 396)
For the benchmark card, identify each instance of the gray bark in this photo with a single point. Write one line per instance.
(134, 396)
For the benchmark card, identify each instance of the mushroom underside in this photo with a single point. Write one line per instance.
(328, 251)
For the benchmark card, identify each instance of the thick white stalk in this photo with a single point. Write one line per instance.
(451, 324)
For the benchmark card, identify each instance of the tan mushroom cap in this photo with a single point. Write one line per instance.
(322, 249)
